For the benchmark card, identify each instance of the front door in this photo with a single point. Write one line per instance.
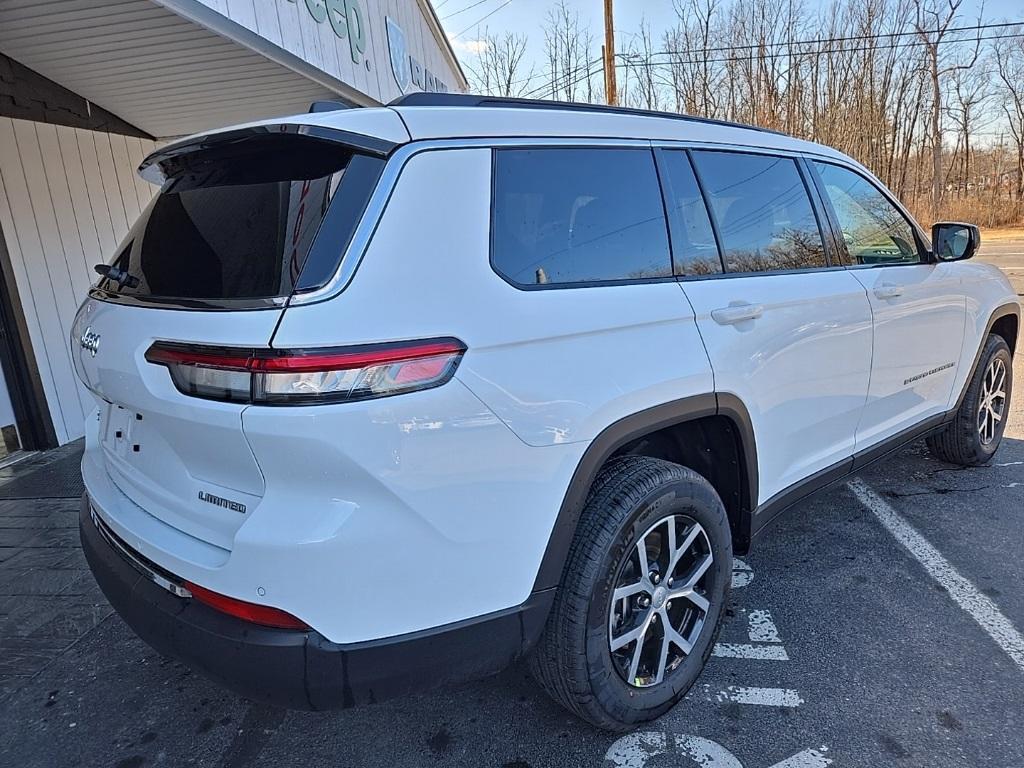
(918, 307)
(787, 335)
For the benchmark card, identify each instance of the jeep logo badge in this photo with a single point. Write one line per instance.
(90, 341)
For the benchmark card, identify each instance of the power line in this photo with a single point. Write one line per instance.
(566, 79)
(462, 10)
(785, 54)
(475, 23)
(818, 41)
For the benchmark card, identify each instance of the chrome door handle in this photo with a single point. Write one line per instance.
(737, 313)
(888, 291)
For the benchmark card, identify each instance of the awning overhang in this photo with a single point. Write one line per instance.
(169, 67)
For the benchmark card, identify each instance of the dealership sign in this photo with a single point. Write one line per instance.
(405, 67)
(346, 19)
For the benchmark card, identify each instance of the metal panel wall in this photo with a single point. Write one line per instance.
(67, 197)
(290, 25)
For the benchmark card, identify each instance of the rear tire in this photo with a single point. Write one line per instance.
(973, 436)
(636, 499)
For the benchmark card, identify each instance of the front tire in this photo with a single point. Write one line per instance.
(642, 595)
(973, 436)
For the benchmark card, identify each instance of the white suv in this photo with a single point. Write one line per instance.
(392, 397)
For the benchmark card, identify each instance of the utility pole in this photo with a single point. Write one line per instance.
(610, 89)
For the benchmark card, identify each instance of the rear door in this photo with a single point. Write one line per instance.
(211, 262)
(919, 307)
(787, 334)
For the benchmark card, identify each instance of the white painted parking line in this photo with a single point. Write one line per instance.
(764, 697)
(964, 593)
(809, 758)
(750, 651)
(762, 628)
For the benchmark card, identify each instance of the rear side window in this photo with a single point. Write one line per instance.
(874, 230)
(240, 224)
(564, 216)
(763, 213)
(693, 240)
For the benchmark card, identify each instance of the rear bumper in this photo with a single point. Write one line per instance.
(301, 669)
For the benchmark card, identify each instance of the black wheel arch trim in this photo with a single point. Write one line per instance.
(1010, 308)
(753, 517)
(622, 432)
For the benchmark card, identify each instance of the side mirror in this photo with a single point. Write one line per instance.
(954, 241)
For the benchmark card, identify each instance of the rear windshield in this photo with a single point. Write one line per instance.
(241, 225)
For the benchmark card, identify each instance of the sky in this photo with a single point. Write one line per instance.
(466, 20)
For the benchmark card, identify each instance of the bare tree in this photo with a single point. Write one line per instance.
(968, 93)
(934, 18)
(1009, 58)
(499, 69)
(568, 46)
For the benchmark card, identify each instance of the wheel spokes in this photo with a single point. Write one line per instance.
(667, 563)
(993, 401)
(685, 645)
(638, 632)
(699, 570)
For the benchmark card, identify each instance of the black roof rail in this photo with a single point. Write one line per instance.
(431, 99)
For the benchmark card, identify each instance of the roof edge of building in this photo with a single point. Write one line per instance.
(218, 23)
(442, 39)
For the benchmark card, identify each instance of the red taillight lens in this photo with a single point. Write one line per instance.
(296, 377)
(240, 609)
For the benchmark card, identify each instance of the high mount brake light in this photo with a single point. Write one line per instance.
(307, 376)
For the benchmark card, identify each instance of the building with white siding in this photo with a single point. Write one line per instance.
(89, 87)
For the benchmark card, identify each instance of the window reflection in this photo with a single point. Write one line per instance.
(693, 240)
(873, 228)
(764, 216)
(578, 215)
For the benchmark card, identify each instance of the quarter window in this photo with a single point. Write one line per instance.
(762, 210)
(693, 240)
(874, 230)
(564, 216)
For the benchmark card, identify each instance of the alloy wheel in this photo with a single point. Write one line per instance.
(659, 605)
(992, 403)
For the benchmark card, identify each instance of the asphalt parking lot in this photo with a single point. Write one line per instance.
(878, 624)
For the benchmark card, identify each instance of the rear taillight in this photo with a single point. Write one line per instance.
(307, 376)
(240, 609)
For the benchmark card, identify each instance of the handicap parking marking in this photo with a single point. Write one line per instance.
(977, 605)
(750, 651)
(742, 574)
(760, 697)
(765, 643)
(636, 750)
(762, 628)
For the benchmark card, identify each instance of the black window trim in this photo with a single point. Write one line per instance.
(644, 146)
(923, 251)
(668, 194)
(827, 267)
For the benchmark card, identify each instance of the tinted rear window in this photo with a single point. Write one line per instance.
(578, 216)
(241, 227)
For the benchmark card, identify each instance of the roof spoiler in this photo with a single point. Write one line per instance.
(170, 159)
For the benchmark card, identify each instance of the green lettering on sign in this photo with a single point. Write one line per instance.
(317, 10)
(346, 20)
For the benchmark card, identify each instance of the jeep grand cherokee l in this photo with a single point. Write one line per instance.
(389, 398)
